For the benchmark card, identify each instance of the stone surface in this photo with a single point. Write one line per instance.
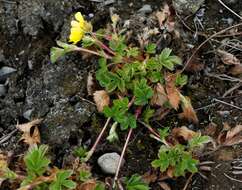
(2, 90)
(145, 9)
(187, 7)
(109, 162)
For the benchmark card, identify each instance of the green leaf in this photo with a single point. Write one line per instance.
(177, 157)
(87, 41)
(181, 80)
(132, 52)
(142, 92)
(56, 52)
(81, 152)
(36, 160)
(118, 45)
(100, 186)
(84, 175)
(147, 114)
(198, 141)
(61, 182)
(150, 48)
(119, 112)
(164, 133)
(168, 61)
(135, 182)
(113, 136)
(155, 76)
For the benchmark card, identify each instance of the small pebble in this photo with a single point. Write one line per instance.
(27, 114)
(145, 9)
(5, 72)
(109, 162)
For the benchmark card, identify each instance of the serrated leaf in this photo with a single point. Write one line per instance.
(135, 182)
(142, 92)
(132, 52)
(150, 48)
(36, 160)
(198, 141)
(181, 80)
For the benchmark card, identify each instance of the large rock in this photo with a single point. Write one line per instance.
(187, 7)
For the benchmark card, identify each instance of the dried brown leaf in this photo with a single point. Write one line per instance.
(88, 185)
(28, 137)
(228, 58)
(42, 179)
(101, 99)
(163, 15)
(27, 126)
(159, 97)
(184, 133)
(231, 137)
(31, 139)
(234, 131)
(149, 177)
(173, 93)
(236, 70)
(164, 186)
(188, 111)
(195, 64)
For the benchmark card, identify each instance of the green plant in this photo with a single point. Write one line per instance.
(84, 175)
(137, 82)
(135, 182)
(81, 152)
(62, 182)
(179, 158)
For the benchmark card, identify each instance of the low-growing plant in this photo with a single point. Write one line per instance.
(138, 83)
(135, 182)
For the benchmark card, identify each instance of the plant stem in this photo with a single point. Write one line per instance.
(90, 153)
(137, 113)
(102, 45)
(122, 155)
(92, 52)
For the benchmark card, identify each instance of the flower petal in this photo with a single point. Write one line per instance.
(79, 17)
(75, 23)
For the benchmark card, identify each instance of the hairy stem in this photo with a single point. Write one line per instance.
(137, 113)
(122, 155)
(90, 153)
(92, 52)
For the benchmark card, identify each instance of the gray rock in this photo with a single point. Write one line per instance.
(109, 162)
(187, 7)
(2, 90)
(5, 72)
(145, 9)
(27, 114)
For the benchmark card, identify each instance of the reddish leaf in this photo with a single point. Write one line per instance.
(188, 111)
(184, 133)
(173, 93)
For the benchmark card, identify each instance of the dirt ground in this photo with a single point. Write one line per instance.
(57, 92)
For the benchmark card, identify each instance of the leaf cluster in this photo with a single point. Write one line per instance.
(135, 182)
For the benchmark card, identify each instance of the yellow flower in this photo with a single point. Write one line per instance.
(78, 28)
